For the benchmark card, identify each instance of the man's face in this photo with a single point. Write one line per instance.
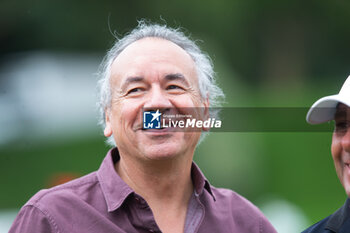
(152, 74)
(341, 145)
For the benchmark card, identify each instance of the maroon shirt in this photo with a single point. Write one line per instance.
(101, 202)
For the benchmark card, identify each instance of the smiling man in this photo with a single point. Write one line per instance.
(337, 108)
(148, 182)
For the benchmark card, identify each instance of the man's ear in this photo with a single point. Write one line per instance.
(108, 126)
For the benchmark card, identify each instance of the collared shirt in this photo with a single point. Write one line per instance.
(338, 222)
(101, 202)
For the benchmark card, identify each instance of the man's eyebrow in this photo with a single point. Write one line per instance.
(131, 80)
(177, 76)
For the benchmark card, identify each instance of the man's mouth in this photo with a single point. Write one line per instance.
(158, 129)
(157, 132)
(161, 129)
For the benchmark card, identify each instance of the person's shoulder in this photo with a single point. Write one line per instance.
(242, 210)
(318, 227)
(45, 209)
(76, 189)
(333, 223)
(231, 198)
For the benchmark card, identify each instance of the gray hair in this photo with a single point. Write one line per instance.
(204, 67)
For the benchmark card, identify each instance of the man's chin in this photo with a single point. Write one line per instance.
(164, 146)
(161, 151)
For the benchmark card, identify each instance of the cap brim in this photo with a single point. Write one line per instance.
(323, 110)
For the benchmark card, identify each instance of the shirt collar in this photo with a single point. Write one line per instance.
(337, 219)
(199, 181)
(115, 190)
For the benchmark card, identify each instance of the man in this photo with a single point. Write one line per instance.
(148, 182)
(337, 108)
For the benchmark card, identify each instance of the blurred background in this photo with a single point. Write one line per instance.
(266, 54)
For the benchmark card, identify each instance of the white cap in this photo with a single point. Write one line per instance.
(324, 109)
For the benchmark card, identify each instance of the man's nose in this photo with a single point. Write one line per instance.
(157, 99)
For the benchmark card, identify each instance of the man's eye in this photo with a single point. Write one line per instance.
(134, 90)
(174, 87)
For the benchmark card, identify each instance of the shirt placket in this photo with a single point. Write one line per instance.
(195, 214)
(145, 215)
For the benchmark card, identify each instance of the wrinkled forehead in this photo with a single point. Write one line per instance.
(154, 44)
(152, 53)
